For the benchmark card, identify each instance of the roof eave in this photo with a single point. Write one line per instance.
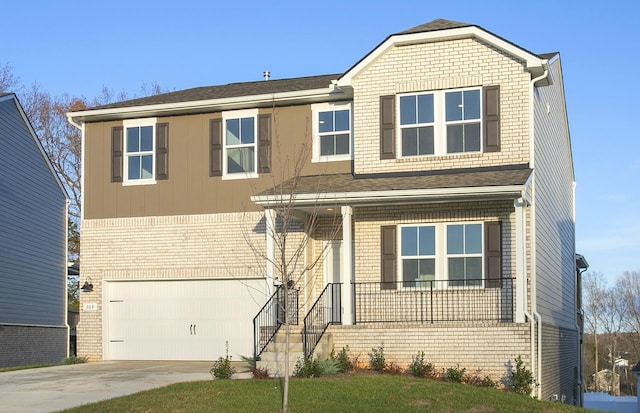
(371, 198)
(535, 64)
(211, 105)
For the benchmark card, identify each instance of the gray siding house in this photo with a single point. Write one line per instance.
(33, 228)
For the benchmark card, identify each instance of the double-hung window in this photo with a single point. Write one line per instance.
(464, 254)
(240, 157)
(331, 131)
(139, 156)
(463, 121)
(417, 124)
(418, 255)
(440, 122)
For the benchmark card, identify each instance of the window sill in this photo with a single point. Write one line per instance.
(241, 175)
(334, 158)
(137, 182)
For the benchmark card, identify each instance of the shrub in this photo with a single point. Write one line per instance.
(73, 360)
(257, 372)
(393, 368)
(521, 380)
(419, 368)
(376, 359)
(342, 359)
(222, 368)
(307, 367)
(480, 381)
(454, 374)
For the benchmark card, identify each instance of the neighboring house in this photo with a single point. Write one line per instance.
(33, 248)
(444, 155)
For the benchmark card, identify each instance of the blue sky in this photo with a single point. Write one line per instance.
(77, 47)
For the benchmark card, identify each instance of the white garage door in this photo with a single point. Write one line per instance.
(181, 320)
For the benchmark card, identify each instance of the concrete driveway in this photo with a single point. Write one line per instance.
(61, 387)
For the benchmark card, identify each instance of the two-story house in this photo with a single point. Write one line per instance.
(433, 193)
(33, 246)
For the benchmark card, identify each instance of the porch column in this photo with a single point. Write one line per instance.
(346, 272)
(270, 229)
(521, 260)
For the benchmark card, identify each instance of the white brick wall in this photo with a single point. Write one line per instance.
(433, 66)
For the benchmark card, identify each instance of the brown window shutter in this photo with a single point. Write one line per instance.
(215, 147)
(162, 151)
(388, 254)
(387, 127)
(264, 143)
(117, 142)
(493, 254)
(491, 121)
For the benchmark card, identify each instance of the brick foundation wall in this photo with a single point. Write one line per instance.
(489, 348)
(27, 345)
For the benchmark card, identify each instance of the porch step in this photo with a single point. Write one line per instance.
(273, 357)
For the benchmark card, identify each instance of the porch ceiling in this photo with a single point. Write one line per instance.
(430, 186)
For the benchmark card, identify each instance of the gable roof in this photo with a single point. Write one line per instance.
(441, 29)
(264, 93)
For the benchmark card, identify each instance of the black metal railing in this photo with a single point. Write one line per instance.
(326, 310)
(435, 301)
(271, 317)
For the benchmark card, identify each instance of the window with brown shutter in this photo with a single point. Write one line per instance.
(117, 142)
(493, 254)
(491, 119)
(162, 151)
(215, 147)
(264, 143)
(388, 257)
(387, 127)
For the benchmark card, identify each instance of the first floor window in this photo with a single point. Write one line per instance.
(418, 252)
(240, 145)
(464, 254)
(139, 153)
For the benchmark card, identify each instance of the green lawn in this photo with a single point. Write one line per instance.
(349, 393)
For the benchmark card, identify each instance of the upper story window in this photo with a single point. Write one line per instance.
(240, 153)
(416, 124)
(440, 122)
(139, 153)
(331, 131)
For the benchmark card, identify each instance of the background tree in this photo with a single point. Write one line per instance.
(593, 285)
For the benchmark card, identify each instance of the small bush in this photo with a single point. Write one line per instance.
(257, 372)
(521, 380)
(454, 374)
(377, 361)
(222, 368)
(342, 359)
(479, 381)
(308, 367)
(73, 360)
(393, 368)
(419, 367)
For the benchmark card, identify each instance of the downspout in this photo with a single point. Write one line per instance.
(537, 374)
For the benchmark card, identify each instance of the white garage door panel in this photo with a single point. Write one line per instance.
(181, 320)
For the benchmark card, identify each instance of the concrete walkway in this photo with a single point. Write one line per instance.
(56, 388)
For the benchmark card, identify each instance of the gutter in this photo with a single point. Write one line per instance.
(537, 318)
(381, 197)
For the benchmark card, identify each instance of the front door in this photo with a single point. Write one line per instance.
(332, 276)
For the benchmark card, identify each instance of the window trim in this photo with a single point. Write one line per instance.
(237, 114)
(441, 255)
(137, 123)
(402, 257)
(316, 108)
(439, 122)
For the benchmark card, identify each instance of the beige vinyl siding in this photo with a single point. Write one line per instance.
(553, 205)
(189, 188)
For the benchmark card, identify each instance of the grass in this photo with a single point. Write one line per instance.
(346, 393)
(33, 366)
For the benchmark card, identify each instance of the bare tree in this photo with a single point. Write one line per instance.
(8, 81)
(629, 289)
(291, 232)
(594, 287)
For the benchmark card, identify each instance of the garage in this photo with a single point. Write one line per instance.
(181, 320)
